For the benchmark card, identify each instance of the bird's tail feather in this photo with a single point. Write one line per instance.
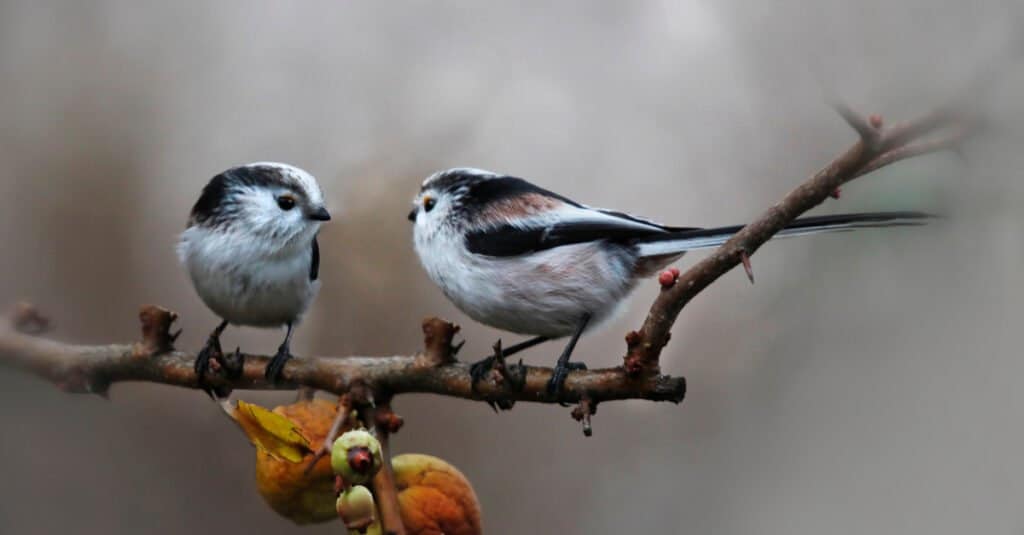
(687, 240)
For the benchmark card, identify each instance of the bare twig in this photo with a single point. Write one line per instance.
(950, 141)
(344, 410)
(877, 147)
(866, 128)
(384, 489)
(582, 413)
(747, 266)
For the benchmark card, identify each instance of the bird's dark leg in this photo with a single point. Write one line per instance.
(273, 371)
(210, 351)
(479, 369)
(563, 366)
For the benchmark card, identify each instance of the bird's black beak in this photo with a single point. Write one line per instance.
(320, 214)
(412, 215)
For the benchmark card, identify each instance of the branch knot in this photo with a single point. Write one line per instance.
(156, 331)
(437, 342)
(642, 355)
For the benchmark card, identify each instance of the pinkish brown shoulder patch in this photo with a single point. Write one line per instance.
(520, 206)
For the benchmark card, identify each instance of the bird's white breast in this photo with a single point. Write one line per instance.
(248, 285)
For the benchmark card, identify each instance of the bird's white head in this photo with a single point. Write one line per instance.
(277, 205)
(444, 198)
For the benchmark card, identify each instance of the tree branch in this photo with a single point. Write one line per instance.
(877, 147)
(92, 369)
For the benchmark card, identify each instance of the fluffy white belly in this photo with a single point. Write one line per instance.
(541, 294)
(260, 292)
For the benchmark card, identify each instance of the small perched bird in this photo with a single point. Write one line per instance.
(251, 251)
(524, 259)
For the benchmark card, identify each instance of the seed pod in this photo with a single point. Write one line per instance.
(356, 457)
(356, 508)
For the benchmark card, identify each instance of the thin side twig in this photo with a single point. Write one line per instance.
(582, 413)
(876, 147)
(344, 409)
(950, 141)
(384, 489)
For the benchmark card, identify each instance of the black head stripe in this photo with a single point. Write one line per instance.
(215, 203)
(474, 192)
(453, 179)
(485, 186)
(266, 176)
(211, 200)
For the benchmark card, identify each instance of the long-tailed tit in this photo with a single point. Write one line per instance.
(251, 251)
(523, 259)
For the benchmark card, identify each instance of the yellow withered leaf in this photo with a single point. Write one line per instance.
(271, 432)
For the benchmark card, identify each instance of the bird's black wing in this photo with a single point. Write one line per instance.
(314, 266)
(588, 225)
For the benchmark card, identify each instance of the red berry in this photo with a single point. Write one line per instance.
(360, 459)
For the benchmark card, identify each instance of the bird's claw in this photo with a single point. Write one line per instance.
(479, 370)
(558, 376)
(498, 405)
(276, 366)
(211, 351)
(234, 364)
(483, 368)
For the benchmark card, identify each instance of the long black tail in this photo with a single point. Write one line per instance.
(687, 240)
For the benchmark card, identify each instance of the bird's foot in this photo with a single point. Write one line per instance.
(510, 377)
(559, 375)
(210, 352)
(479, 370)
(233, 364)
(276, 366)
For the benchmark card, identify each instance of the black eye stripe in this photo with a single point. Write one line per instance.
(218, 202)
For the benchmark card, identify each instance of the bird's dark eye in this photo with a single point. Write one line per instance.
(286, 202)
(428, 203)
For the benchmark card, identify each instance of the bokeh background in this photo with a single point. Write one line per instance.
(868, 383)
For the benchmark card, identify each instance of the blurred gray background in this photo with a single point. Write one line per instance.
(868, 383)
